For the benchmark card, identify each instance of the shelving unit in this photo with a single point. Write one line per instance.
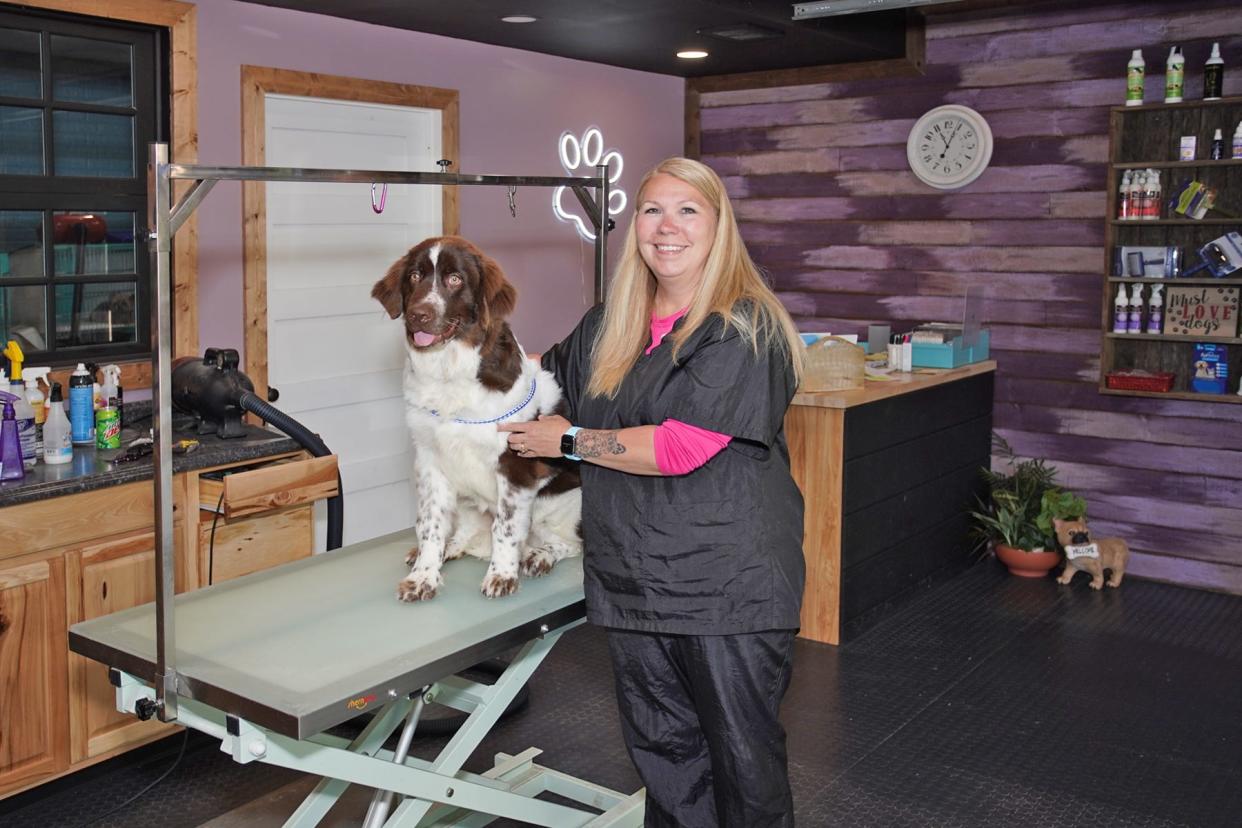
(1148, 136)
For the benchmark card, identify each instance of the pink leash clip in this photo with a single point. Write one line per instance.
(379, 208)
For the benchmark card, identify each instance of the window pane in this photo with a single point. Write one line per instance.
(23, 316)
(21, 141)
(19, 64)
(91, 71)
(93, 243)
(95, 314)
(21, 243)
(87, 143)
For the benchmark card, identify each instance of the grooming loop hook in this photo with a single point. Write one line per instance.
(379, 208)
(513, 201)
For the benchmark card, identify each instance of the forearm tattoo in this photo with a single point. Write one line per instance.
(597, 444)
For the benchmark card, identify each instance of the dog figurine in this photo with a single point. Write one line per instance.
(1090, 556)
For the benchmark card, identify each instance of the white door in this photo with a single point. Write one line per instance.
(333, 353)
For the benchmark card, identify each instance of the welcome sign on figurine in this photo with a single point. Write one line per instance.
(1201, 311)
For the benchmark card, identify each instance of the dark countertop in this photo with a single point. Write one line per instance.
(94, 469)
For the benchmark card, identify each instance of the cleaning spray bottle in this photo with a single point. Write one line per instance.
(24, 414)
(38, 401)
(111, 391)
(1120, 310)
(1134, 322)
(11, 466)
(57, 432)
(82, 406)
(1155, 310)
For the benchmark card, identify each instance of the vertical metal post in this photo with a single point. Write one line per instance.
(601, 234)
(159, 192)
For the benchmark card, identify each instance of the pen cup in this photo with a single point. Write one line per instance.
(877, 338)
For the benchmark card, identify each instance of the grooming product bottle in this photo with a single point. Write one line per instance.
(112, 393)
(1213, 75)
(1218, 146)
(37, 400)
(57, 432)
(11, 465)
(25, 418)
(1237, 141)
(1123, 196)
(1174, 75)
(1155, 310)
(1134, 319)
(82, 406)
(1155, 200)
(1120, 310)
(1136, 73)
(1137, 194)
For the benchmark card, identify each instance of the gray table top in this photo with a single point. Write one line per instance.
(302, 647)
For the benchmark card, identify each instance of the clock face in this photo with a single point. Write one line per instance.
(949, 147)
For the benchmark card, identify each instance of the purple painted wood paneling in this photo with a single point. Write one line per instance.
(850, 237)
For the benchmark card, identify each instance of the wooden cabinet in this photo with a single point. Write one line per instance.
(1149, 137)
(75, 557)
(33, 658)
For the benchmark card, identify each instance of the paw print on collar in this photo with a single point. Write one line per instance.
(588, 152)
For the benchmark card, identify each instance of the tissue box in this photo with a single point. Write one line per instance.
(949, 354)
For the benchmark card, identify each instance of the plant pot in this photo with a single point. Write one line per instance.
(1027, 564)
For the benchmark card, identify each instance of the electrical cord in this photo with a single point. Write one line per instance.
(211, 543)
(185, 738)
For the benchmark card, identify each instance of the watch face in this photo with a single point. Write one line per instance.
(949, 147)
(567, 444)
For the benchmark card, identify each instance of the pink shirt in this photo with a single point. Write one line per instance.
(681, 447)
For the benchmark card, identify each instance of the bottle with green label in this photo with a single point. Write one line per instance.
(1136, 74)
(1174, 75)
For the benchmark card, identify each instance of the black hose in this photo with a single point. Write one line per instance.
(310, 441)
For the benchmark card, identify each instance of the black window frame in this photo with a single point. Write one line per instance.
(49, 193)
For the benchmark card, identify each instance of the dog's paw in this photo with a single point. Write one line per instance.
(536, 562)
(419, 587)
(498, 586)
(411, 557)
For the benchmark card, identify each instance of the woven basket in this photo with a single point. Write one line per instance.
(1139, 381)
(833, 364)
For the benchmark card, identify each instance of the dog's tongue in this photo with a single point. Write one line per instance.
(422, 339)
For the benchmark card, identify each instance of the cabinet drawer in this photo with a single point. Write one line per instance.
(277, 486)
(251, 544)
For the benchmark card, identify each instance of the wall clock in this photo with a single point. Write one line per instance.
(949, 147)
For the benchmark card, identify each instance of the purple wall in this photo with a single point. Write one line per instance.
(830, 208)
(514, 106)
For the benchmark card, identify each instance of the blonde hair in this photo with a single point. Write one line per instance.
(729, 278)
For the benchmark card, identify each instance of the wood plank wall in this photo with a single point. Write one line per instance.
(849, 236)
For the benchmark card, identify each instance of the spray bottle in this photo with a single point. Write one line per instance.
(1155, 310)
(57, 432)
(1136, 72)
(1174, 75)
(111, 391)
(1123, 196)
(11, 466)
(24, 413)
(1237, 141)
(1120, 313)
(1214, 75)
(37, 400)
(82, 406)
(1134, 321)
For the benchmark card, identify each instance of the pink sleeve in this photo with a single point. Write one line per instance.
(682, 448)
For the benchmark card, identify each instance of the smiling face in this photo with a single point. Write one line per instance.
(445, 288)
(676, 227)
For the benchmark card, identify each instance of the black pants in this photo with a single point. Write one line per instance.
(699, 716)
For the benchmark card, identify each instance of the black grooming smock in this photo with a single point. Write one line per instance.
(714, 551)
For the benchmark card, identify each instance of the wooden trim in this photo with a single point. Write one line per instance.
(693, 123)
(181, 21)
(816, 437)
(259, 81)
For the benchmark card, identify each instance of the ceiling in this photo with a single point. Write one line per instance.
(642, 34)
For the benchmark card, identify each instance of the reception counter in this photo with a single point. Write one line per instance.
(888, 472)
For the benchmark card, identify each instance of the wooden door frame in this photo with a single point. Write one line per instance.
(181, 21)
(257, 82)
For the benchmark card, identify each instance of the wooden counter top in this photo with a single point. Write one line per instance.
(904, 383)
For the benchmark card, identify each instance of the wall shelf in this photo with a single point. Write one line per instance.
(1188, 340)
(1156, 280)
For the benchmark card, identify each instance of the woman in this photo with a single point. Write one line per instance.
(677, 389)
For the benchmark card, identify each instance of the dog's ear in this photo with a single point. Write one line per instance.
(388, 289)
(499, 296)
(1057, 523)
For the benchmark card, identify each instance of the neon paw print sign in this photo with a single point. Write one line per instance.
(588, 152)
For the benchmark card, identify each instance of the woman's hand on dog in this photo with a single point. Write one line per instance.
(536, 438)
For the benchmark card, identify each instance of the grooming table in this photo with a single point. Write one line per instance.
(267, 662)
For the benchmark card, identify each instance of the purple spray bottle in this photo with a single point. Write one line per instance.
(10, 445)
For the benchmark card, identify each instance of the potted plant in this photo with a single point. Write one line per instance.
(1015, 520)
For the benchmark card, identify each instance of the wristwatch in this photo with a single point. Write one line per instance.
(569, 443)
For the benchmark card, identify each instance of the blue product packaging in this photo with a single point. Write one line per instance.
(82, 413)
(1211, 368)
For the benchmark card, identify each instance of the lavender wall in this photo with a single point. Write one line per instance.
(514, 105)
(850, 236)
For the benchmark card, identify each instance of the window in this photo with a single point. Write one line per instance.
(79, 103)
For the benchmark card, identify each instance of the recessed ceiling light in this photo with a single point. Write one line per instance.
(692, 54)
(519, 18)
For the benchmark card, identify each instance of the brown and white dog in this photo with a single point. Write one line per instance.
(464, 374)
